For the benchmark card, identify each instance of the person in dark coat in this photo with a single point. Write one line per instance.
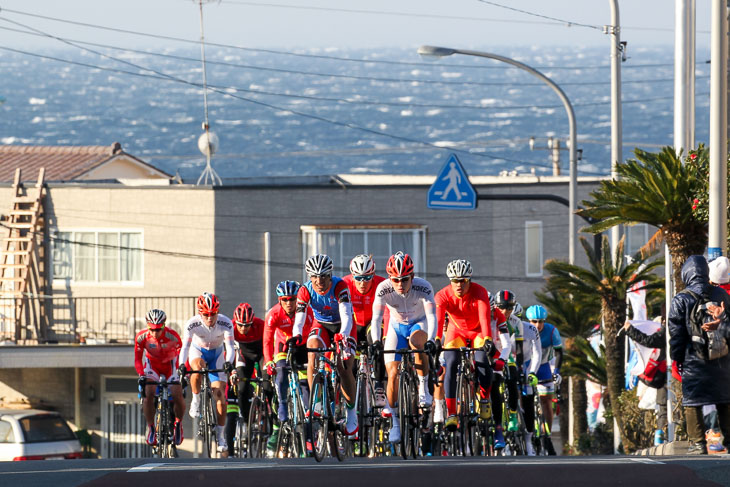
(704, 382)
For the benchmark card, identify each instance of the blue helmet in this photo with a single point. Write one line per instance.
(536, 312)
(287, 288)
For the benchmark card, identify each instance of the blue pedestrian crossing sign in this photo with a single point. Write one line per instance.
(452, 189)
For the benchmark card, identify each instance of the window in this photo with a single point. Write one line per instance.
(45, 427)
(636, 237)
(342, 243)
(533, 248)
(6, 432)
(108, 256)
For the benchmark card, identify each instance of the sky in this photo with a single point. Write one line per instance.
(307, 24)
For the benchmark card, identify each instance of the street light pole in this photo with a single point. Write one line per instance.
(432, 51)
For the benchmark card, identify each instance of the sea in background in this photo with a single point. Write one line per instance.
(330, 111)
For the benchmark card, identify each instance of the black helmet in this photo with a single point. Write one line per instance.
(505, 299)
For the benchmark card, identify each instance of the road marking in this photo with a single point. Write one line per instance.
(145, 468)
(646, 460)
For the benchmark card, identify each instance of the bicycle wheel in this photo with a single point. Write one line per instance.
(257, 428)
(160, 422)
(465, 403)
(209, 424)
(300, 428)
(363, 416)
(404, 413)
(318, 422)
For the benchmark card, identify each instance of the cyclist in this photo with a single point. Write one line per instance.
(547, 378)
(525, 341)
(467, 305)
(362, 283)
(277, 333)
(160, 347)
(329, 299)
(248, 335)
(412, 324)
(210, 334)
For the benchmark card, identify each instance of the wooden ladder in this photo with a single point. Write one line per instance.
(22, 266)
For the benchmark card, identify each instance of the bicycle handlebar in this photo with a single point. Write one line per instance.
(404, 351)
(321, 350)
(204, 371)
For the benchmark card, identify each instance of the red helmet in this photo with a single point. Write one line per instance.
(243, 314)
(399, 265)
(208, 304)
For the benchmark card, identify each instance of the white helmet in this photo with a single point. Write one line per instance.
(459, 269)
(318, 265)
(362, 265)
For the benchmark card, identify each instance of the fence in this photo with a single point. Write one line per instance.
(90, 320)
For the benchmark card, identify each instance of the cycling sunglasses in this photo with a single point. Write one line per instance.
(239, 323)
(459, 281)
(288, 299)
(208, 315)
(363, 278)
(400, 279)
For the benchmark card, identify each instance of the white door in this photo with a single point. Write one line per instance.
(122, 422)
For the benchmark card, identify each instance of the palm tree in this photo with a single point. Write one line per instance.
(609, 278)
(575, 319)
(657, 189)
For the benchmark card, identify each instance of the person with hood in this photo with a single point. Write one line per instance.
(704, 382)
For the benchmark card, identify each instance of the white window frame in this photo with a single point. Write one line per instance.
(61, 282)
(528, 225)
(418, 234)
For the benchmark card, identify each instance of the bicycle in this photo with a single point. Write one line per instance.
(514, 440)
(164, 419)
(208, 415)
(409, 411)
(474, 434)
(367, 412)
(292, 441)
(260, 420)
(541, 436)
(326, 407)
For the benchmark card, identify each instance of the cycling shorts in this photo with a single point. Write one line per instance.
(324, 332)
(213, 359)
(154, 373)
(545, 384)
(397, 337)
(457, 338)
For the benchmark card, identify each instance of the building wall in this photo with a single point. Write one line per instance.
(491, 237)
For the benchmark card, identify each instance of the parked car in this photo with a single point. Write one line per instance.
(30, 434)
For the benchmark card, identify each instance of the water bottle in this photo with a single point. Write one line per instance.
(658, 437)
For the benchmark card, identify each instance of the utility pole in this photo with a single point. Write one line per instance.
(717, 224)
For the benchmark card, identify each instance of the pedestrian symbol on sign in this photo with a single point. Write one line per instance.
(452, 189)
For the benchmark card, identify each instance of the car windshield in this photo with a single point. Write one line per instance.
(45, 427)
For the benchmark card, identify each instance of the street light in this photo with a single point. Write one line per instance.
(438, 52)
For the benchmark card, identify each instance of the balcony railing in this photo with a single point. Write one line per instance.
(90, 320)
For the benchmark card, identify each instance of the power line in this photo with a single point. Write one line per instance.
(289, 110)
(318, 56)
(341, 100)
(567, 23)
(227, 259)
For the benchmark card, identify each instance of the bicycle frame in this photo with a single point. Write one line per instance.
(323, 420)
(292, 438)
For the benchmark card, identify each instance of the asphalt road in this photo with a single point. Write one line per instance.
(447, 472)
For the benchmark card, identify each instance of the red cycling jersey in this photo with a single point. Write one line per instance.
(161, 353)
(471, 312)
(253, 333)
(278, 329)
(362, 304)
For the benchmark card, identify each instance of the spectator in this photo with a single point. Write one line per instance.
(703, 381)
(655, 373)
(719, 276)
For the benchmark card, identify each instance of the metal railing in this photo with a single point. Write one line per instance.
(89, 320)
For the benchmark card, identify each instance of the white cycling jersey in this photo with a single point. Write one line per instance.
(203, 337)
(531, 347)
(416, 306)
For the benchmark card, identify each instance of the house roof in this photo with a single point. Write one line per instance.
(62, 163)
